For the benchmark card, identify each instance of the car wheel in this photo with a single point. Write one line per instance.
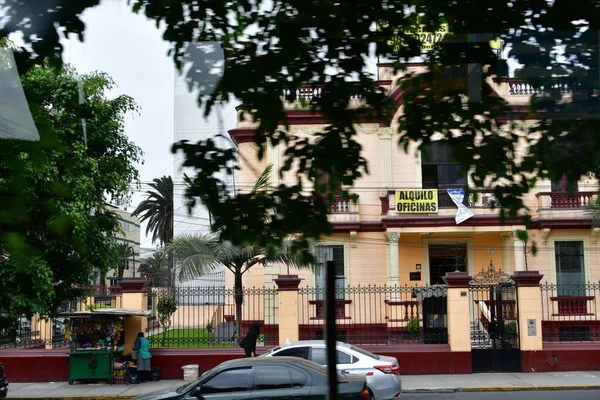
(371, 397)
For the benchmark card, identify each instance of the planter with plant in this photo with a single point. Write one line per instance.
(209, 327)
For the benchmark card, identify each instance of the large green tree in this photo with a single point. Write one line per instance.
(275, 47)
(55, 227)
(157, 209)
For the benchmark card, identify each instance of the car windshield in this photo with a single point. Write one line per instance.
(266, 354)
(365, 352)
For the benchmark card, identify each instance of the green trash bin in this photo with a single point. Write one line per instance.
(90, 364)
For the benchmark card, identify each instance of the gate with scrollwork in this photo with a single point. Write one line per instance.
(494, 322)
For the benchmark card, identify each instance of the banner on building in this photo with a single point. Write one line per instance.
(416, 201)
(463, 213)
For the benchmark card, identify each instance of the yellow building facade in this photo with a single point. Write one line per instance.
(375, 244)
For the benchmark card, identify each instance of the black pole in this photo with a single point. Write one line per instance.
(330, 336)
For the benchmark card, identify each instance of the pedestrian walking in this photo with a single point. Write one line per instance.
(142, 348)
(249, 341)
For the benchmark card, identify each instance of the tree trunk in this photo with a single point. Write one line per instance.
(239, 299)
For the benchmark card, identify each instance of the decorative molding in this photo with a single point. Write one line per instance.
(352, 238)
(132, 285)
(594, 235)
(287, 283)
(457, 280)
(491, 276)
(545, 234)
(392, 237)
(385, 133)
(506, 237)
(527, 278)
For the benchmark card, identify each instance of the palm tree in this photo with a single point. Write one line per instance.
(158, 210)
(593, 211)
(125, 253)
(154, 268)
(202, 254)
(198, 254)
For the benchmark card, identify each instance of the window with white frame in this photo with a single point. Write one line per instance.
(335, 254)
(570, 267)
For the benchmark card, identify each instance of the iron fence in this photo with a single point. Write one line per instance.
(206, 316)
(570, 312)
(22, 332)
(378, 314)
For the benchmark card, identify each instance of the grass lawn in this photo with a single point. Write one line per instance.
(186, 338)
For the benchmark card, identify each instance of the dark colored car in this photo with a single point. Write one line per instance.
(285, 378)
(3, 383)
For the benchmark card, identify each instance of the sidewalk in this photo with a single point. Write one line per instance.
(410, 384)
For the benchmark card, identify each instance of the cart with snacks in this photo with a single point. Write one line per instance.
(95, 342)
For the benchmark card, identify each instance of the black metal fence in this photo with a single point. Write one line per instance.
(570, 312)
(378, 314)
(206, 316)
(22, 332)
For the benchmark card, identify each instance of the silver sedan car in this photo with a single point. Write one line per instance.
(382, 372)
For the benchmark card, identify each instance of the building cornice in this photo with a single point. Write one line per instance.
(445, 222)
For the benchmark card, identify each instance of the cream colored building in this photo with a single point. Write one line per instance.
(130, 234)
(375, 244)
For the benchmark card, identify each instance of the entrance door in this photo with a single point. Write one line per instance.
(444, 258)
(494, 323)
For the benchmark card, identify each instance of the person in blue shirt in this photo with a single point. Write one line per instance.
(142, 346)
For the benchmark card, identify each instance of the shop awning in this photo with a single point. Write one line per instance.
(117, 312)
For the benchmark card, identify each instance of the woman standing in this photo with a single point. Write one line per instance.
(142, 346)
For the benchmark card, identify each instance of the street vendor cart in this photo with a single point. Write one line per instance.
(96, 341)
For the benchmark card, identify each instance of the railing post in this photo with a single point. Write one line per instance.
(459, 319)
(529, 297)
(289, 324)
(133, 297)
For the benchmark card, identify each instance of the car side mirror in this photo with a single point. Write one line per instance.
(197, 393)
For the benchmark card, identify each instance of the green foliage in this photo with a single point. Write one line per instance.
(125, 253)
(199, 255)
(155, 268)
(166, 307)
(157, 209)
(55, 225)
(186, 338)
(511, 327)
(413, 326)
(301, 42)
(208, 326)
(92, 307)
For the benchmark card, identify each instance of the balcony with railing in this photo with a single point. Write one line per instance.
(564, 204)
(300, 98)
(343, 210)
(570, 312)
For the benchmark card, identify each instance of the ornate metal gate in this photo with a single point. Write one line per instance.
(494, 322)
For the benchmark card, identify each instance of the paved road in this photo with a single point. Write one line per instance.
(526, 395)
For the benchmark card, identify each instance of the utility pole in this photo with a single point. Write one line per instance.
(330, 330)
